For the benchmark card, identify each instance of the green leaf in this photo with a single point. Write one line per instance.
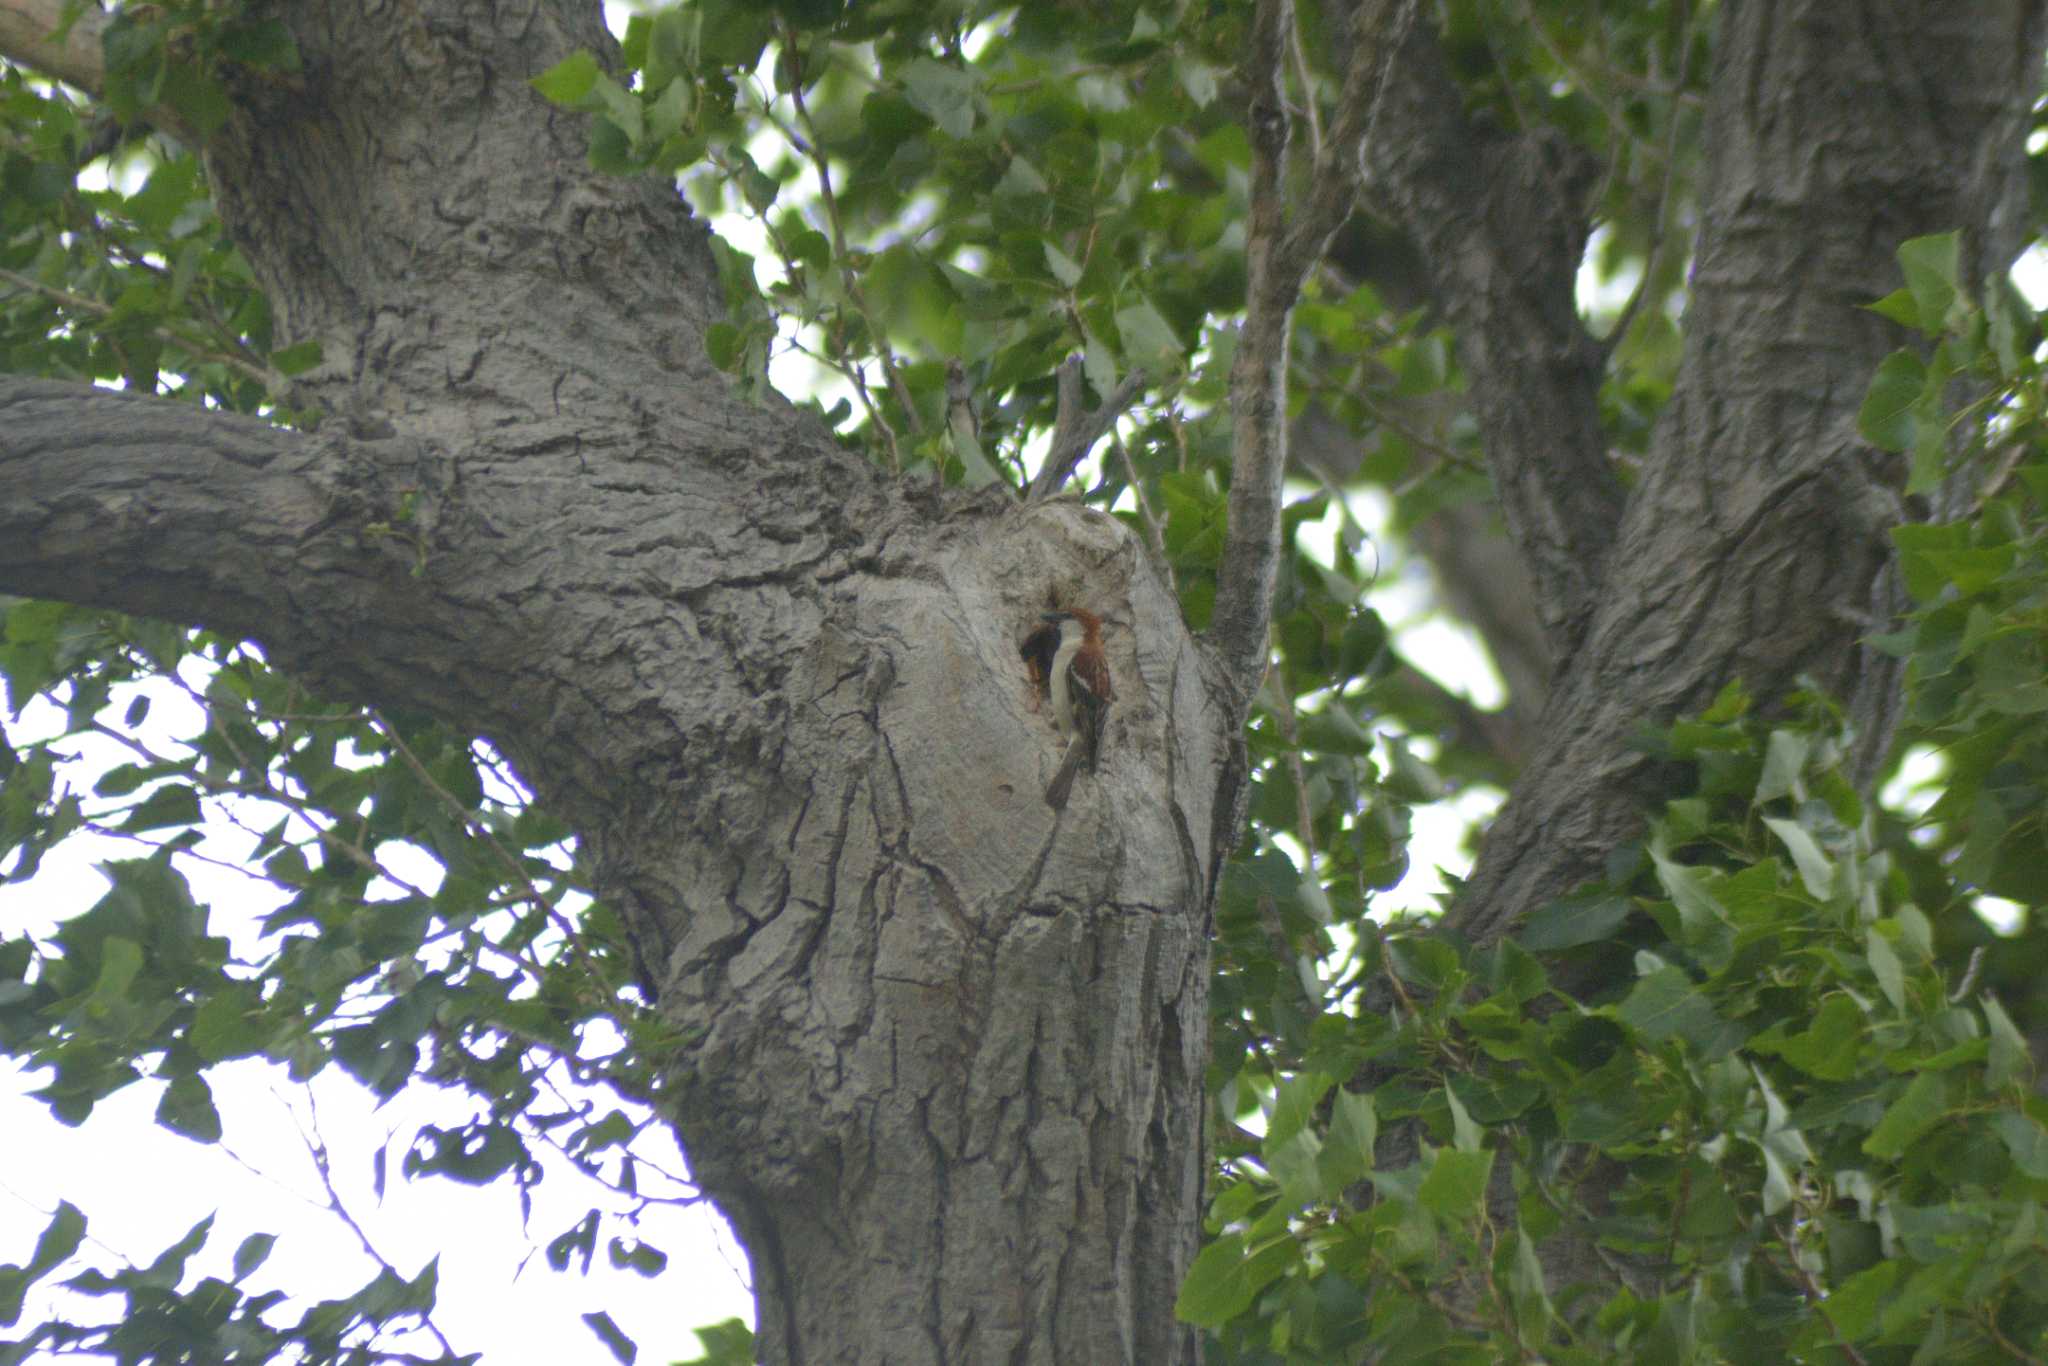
(1854, 1305)
(1667, 1005)
(1465, 1135)
(1886, 418)
(1973, 569)
(1296, 1164)
(1294, 1105)
(1885, 966)
(1815, 871)
(1225, 1277)
(730, 1343)
(296, 360)
(1065, 268)
(196, 94)
(976, 471)
(1533, 1309)
(622, 1348)
(1354, 1132)
(1150, 342)
(120, 961)
(1572, 921)
(55, 1244)
(2010, 1060)
(642, 1259)
(1456, 1183)
(1827, 1048)
(2025, 1140)
(261, 43)
(944, 94)
(579, 1237)
(1785, 756)
(224, 1025)
(729, 33)
(1491, 1099)
(725, 345)
(568, 81)
(1923, 1105)
(1689, 889)
(171, 804)
(1899, 307)
(1930, 266)
(187, 1108)
(252, 1253)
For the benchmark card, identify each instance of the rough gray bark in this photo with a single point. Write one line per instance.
(1501, 220)
(946, 1046)
(1755, 545)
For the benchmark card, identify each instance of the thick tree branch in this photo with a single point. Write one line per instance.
(28, 30)
(77, 58)
(1756, 546)
(1279, 252)
(164, 509)
(1501, 220)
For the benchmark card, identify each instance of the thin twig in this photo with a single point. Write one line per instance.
(1311, 107)
(1816, 1297)
(316, 1148)
(2015, 452)
(2011, 1348)
(1155, 535)
(1283, 709)
(1654, 256)
(475, 828)
(271, 380)
(1076, 427)
(1415, 437)
(814, 149)
(1587, 87)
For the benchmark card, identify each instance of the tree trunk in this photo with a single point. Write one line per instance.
(1755, 545)
(943, 1047)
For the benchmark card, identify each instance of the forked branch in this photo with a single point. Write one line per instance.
(1280, 249)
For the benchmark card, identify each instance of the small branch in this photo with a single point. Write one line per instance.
(1816, 1297)
(515, 870)
(1654, 256)
(2012, 1349)
(1155, 535)
(810, 145)
(2009, 461)
(1591, 88)
(1969, 982)
(1338, 160)
(1312, 113)
(1076, 427)
(1491, 733)
(316, 1149)
(1280, 249)
(1415, 436)
(272, 381)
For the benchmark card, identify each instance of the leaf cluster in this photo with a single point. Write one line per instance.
(113, 266)
(1800, 1120)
